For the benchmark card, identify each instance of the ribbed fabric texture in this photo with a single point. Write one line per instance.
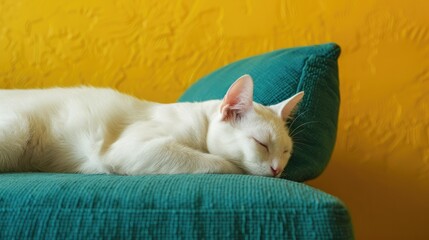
(76, 206)
(277, 76)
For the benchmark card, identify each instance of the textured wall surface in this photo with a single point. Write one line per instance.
(156, 49)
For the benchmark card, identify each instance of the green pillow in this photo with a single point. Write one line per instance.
(277, 76)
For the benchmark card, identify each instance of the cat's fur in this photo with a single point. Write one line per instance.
(91, 130)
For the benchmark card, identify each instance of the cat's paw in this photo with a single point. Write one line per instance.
(228, 167)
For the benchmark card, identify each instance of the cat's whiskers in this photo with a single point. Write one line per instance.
(300, 126)
(298, 148)
(301, 143)
(296, 133)
(295, 118)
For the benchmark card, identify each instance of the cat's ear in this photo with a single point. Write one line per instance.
(238, 100)
(284, 109)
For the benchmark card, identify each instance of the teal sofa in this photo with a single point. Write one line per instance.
(216, 206)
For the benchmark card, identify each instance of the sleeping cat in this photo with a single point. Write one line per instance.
(90, 130)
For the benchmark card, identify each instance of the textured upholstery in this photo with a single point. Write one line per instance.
(279, 75)
(71, 206)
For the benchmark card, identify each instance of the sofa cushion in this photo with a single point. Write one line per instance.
(77, 206)
(277, 76)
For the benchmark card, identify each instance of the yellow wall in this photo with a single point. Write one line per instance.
(156, 49)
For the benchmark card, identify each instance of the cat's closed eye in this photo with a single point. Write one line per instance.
(261, 144)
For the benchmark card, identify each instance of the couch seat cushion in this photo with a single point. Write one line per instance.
(71, 206)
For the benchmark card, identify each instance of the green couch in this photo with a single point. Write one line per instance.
(78, 206)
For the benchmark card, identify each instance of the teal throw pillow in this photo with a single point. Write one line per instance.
(277, 76)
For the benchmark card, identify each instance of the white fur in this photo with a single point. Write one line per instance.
(90, 130)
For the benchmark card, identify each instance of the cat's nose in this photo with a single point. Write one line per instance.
(275, 171)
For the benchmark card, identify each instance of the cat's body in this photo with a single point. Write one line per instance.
(92, 130)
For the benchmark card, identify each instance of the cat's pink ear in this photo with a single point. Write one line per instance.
(284, 109)
(238, 100)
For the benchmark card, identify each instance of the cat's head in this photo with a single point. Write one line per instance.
(253, 136)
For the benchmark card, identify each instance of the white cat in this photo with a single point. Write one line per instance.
(90, 130)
